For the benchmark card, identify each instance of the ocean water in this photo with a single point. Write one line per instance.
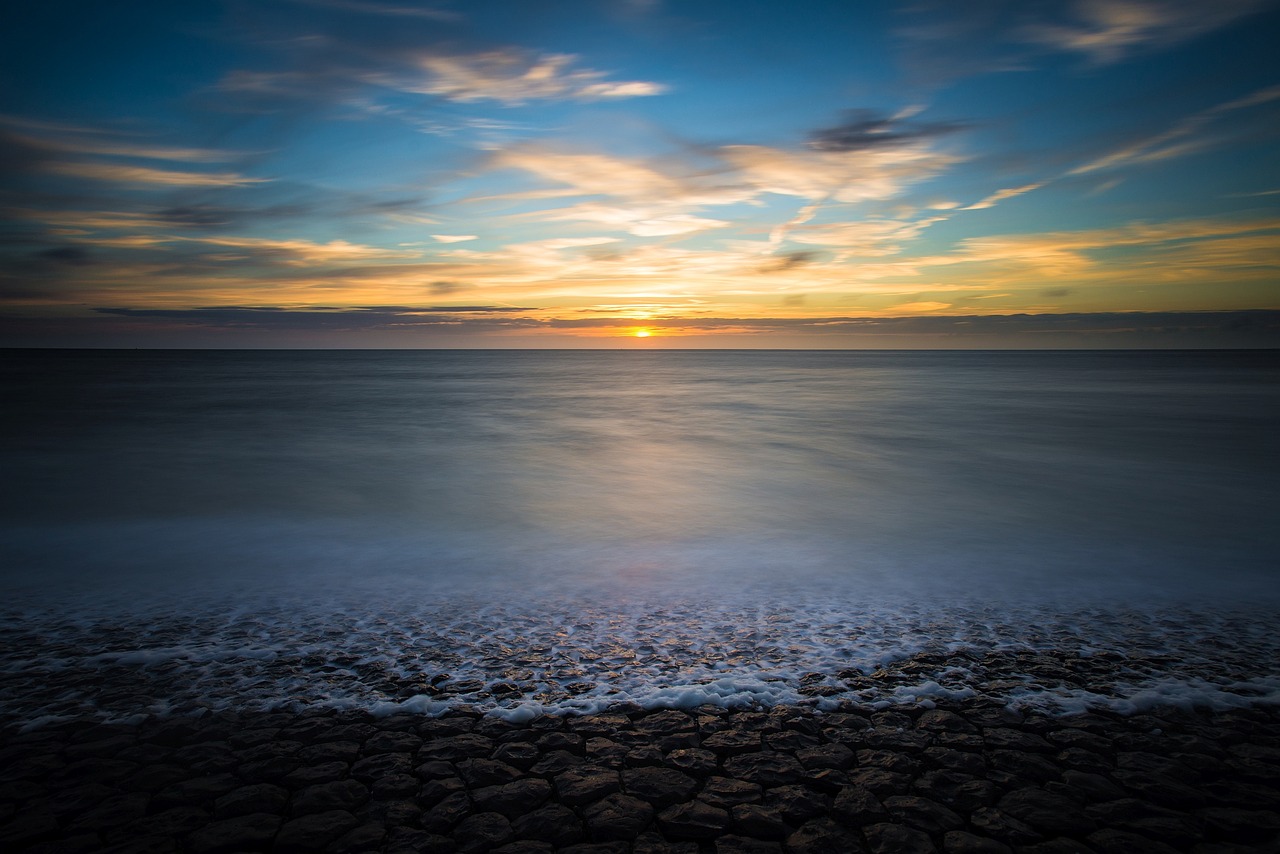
(533, 531)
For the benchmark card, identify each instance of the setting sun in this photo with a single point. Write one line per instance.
(642, 333)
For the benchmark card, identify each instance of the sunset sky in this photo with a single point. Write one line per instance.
(640, 173)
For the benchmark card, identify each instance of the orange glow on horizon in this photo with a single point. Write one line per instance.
(643, 333)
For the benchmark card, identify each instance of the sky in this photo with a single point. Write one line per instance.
(640, 173)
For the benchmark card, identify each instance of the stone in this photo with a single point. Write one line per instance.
(458, 747)
(1002, 738)
(732, 742)
(887, 838)
(324, 797)
(659, 786)
(756, 820)
(173, 822)
(554, 824)
(732, 844)
(826, 756)
(242, 833)
(990, 821)
(1112, 841)
(364, 837)
(260, 797)
(433, 792)
(960, 792)
(768, 768)
(482, 832)
(797, 803)
(487, 772)
(879, 781)
(313, 832)
(1050, 814)
(112, 812)
(961, 761)
(618, 816)
(512, 799)
(585, 784)
(448, 812)
(857, 805)
(395, 786)
(725, 792)
(692, 760)
(1239, 825)
(941, 720)
(197, 791)
(330, 751)
(962, 842)
(823, 836)
(931, 817)
(380, 765)
(1089, 787)
(310, 775)
(888, 760)
(392, 742)
(693, 820)
(520, 754)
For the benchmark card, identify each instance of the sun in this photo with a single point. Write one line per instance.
(643, 333)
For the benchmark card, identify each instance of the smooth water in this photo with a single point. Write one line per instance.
(420, 487)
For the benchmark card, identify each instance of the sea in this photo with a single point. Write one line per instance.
(530, 532)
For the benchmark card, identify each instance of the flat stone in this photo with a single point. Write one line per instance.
(482, 832)
(242, 833)
(826, 756)
(963, 842)
(1239, 825)
(990, 821)
(324, 797)
(797, 803)
(880, 781)
(960, 792)
(364, 837)
(173, 822)
(313, 832)
(260, 797)
(768, 768)
(433, 792)
(197, 791)
(733, 844)
(380, 765)
(618, 816)
(112, 812)
(897, 839)
(1112, 841)
(487, 772)
(693, 820)
(448, 812)
(941, 720)
(823, 836)
(929, 816)
(556, 762)
(395, 786)
(732, 742)
(392, 742)
(310, 775)
(512, 799)
(756, 820)
(664, 723)
(1052, 815)
(659, 786)
(692, 760)
(330, 751)
(726, 792)
(454, 748)
(585, 784)
(519, 754)
(1003, 738)
(554, 823)
(858, 805)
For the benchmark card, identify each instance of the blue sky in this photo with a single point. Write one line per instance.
(746, 174)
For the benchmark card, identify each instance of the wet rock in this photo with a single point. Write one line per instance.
(364, 837)
(313, 832)
(659, 786)
(798, 803)
(242, 833)
(477, 773)
(768, 768)
(330, 751)
(826, 756)
(653, 843)
(1240, 825)
(726, 792)
(1112, 841)
(554, 824)
(395, 786)
(617, 816)
(325, 797)
(897, 839)
(1061, 845)
(962, 761)
(693, 820)
(585, 784)
(755, 820)
(261, 797)
(963, 842)
(960, 792)
(1025, 767)
(1088, 787)
(392, 742)
(1000, 738)
(380, 765)
(1051, 814)
(990, 821)
(408, 840)
(310, 775)
(857, 806)
(732, 844)
(197, 791)
(940, 720)
(879, 781)
(692, 760)
(170, 823)
(482, 832)
(512, 799)
(927, 815)
(732, 742)
(823, 836)
(442, 817)
(519, 754)
(555, 762)
(458, 747)
(433, 792)
(664, 723)
(569, 741)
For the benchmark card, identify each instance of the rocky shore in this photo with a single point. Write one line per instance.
(958, 776)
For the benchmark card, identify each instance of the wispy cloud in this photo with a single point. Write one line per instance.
(144, 177)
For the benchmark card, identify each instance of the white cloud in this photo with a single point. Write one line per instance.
(514, 77)
(453, 238)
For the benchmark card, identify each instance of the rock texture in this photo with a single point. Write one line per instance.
(968, 776)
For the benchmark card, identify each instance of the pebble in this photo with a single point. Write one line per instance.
(960, 777)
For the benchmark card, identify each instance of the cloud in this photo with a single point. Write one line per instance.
(1000, 195)
(846, 176)
(453, 238)
(141, 176)
(384, 9)
(864, 129)
(1108, 31)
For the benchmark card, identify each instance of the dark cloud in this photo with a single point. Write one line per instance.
(335, 319)
(74, 256)
(441, 289)
(864, 129)
(791, 260)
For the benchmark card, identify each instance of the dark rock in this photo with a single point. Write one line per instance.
(889, 760)
(1160, 789)
(408, 840)
(759, 821)
(519, 754)
(732, 844)
(524, 846)
(261, 797)
(553, 823)
(152, 778)
(726, 792)
(196, 792)
(659, 786)
(433, 792)
(693, 820)
(857, 805)
(330, 751)
(958, 791)
(929, 816)
(380, 765)
(823, 836)
(1026, 767)
(395, 786)
(1088, 787)
(644, 756)
(478, 773)
(618, 816)
(1112, 841)
(512, 799)
(692, 760)
(313, 832)
(879, 781)
(1243, 826)
(112, 812)
(569, 741)
(605, 751)
(466, 746)
(585, 784)
(392, 742)
(326, 797)
(364, 837)
(956, 760)
(962, 842)
(826, 756)
(30, 826)
(767, 768)
(897, 839)
(1061, 845)
(652, 842)
(449, 811)
(310, 775)
(555, 762)
(483, 832)
(732, 742)
(940, 720)
(173, 822)
(798, 803)
(664, 723)
(1000, 738)
(990, 821)
(1051, 814)
(242, 833)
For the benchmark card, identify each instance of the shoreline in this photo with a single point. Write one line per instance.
(950, 775)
